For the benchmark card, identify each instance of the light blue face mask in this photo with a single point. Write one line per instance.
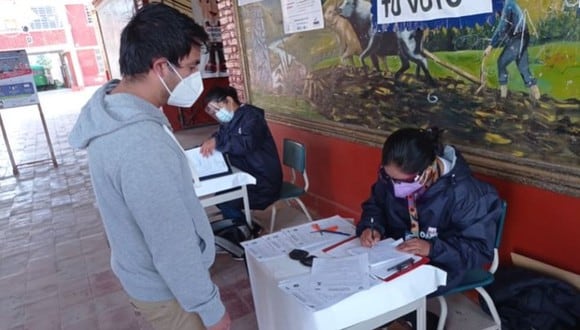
(224, 115)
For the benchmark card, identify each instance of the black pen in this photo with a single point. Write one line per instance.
(402, 265)
(373, 229)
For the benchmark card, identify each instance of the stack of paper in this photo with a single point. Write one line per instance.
(384, 257)
(331, 280)
(305, 236)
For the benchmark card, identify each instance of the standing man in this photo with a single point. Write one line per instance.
(512, 32)
(162, 245)
(215, 47)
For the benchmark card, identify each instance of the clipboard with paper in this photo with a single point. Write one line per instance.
(212, 166)
(386, 262)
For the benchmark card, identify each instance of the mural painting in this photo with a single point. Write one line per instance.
(505, 81)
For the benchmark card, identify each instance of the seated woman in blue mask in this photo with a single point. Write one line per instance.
(427, 195)
(245, 138)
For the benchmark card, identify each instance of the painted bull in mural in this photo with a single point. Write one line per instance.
(408, 45)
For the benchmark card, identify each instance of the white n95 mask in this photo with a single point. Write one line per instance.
(187, 91)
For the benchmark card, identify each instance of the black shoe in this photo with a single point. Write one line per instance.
(256, 230)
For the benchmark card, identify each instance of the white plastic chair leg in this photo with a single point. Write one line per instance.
(303, 208)
(442, 313)
(273, 218)
(490, 306)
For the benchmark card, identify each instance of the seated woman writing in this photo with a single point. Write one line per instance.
(427, 195)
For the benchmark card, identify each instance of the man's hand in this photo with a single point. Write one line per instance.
(370, 237)
(224, 323)
(487, 51)
(415, 246)
(208, 147)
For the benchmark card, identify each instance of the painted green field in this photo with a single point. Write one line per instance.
(556, 66)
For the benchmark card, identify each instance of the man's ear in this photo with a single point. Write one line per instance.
(159, 66)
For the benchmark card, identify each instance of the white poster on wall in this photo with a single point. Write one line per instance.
(246, 2)
(16, 80)
(396, 11)
(302, 15)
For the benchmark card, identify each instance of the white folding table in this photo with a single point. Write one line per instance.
(366, 309)
(235, 182)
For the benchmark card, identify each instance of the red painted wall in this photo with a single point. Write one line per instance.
(89, 68)
(39, 38)
(73, 79)
(83, 34)
(539, 223)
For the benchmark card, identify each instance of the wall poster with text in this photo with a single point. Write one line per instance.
(16, 80)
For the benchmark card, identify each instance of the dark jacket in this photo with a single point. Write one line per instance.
(249, 144)
(458, 215)
(526, 299)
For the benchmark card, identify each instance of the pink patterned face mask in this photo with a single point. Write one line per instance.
(404, 189)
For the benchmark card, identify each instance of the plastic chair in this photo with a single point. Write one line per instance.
(477, 279)
(294, 157)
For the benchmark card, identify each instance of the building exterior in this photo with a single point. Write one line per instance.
(61, 35)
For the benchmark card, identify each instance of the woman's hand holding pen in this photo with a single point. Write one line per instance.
(415, 246)
(370, 237)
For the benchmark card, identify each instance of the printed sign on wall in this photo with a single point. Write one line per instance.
(395, 11)
(16, 81)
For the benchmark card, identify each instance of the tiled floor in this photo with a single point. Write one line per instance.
(54, 259)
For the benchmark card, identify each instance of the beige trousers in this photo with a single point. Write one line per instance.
(167, 315)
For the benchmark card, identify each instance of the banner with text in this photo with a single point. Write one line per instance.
(16, 81)
(389, 15)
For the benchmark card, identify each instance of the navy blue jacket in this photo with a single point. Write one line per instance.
(249, 145)
(458, 215)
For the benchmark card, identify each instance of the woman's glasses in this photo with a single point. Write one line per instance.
(303, 256)
(385, 177)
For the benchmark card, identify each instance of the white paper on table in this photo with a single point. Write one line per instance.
(213, 164)
(348, 274)
(269, 246)
(304, 236)
(383, 252)
(299, 287)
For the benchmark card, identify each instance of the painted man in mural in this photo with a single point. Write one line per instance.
(215, 46)
(512, 32)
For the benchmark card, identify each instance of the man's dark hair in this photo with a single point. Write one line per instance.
(412, 150)
(156, 31)
(219, 94)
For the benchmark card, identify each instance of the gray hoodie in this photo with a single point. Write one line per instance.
(162, 245)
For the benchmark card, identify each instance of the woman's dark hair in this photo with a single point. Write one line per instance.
(412, 150)
(219, 94)
(156, 31)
